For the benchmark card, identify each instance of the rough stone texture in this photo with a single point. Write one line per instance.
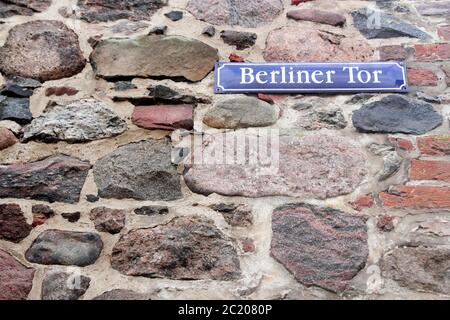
(41, 213)
(42, 50)
(64, 286)
(189, 248)
(394, 53)
(154, 56)
(67, 248)
(9, 8)
(16, 280)
(56, 178)
(121, 294)
(245, 13)
(241, 112)
(15, 109)
(165, 117)
(150, 176)
(71, 216)
(77, 121)
(151, 210)
(435, 8)
(419, 269)
(319, 16)
(319, 119)
(241, 40)
(13, 224)
(316, 166)
(7, 138)
(384, 26)
(108, 220)
(320, 246)
(174, 15)
(103, 11)
(395, 114)
(287, 44)
(60, 91)
(235, 215)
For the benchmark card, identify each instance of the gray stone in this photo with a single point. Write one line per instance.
(77, 121)
(124, 86)
(9, 8)
(64, 286)
(434, 8)
(395, 114)
(320, 119)
(174, 15)
(19, 87)
(150, 174)
(151, 210)
(241, 40)
(158, 30)
(241, 112)
(108, 220)
(67, 248)
(378, 25)
(209, 31)
(121, 294)
(128, 27)
(15, 109)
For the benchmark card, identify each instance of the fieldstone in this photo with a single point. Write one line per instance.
(314, 166)
(42, 50)
(92, 198)
(128, 27)
(9, 8)
(7, 138)
(56, 178)
(393, 53)
(434, 8)
(320, 119)
(359, 98)
(108, 220)
(154, 56)
(209, 31)
(287, 44)
(149, 176)
(60, 91)
(19, 87)
(67, 248)
(121, 294)
(151, 210)
(64, 286)
(124, 86)
(13, 224)
(174, 15)
(378, 25)
(241, 112)
(391, 164)
(235, 215)
(158, 30)
(103, 11)
(385, 223)
(241, 40)
(187, 248)
(395, 114)
(16, 280)
(15, 109)
(320, 246)
(245, 13)
(319, 16)
(77, 121)
(164, 117)
(165, 95)
(41, 213)
(71, 216)
(418, 268)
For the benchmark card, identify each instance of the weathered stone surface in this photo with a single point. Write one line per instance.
(174, 15)
(103, 11)
(384, 25)
(209, 31)
(241, 40)
(77, 121)
(56, 178)
(245, 13)
(65, 248)
(320, 119)
(391, 159)
(128, 27)
(434, 8)
(41, 213)
(154, 56)
(385, 223)
(42, 50)
(420, 269)
(158, 30)
(187, 248)
(108, 220)
(19, 87)
(395, 114)
(151, 210)
(287, 44)
(7, 138)
(313, 166)
(71, 216)
(15, 109)
(121, 294)
(64, 286)
(9, 8)
(320, 246)
(235, 215)
(13, 224)
(124, 86)
(319, 16)
(164, 117)
(241, 112)
(16, 280)
(394, 53)
(150, 176)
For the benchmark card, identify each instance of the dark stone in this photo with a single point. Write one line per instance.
(320, 246)
(151, 210)
(163, 94)
(65, 248)
(13, 224)
(124, 86)
(41, 213)
(9, 8)
(377, 25)
(158, 30)
(92, 198)
(58, 178)
(395, 114)
(121, 294)
(174, 15)
(241, 40)
(108, 220)
(60, 91)
(20, 87)
(209, 31)
(71, 216)
(235, 215)
(64, 286)
(359, 98)
(187, 248)
(16, 280)
(15, 109)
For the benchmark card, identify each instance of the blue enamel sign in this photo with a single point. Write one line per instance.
(310, 77)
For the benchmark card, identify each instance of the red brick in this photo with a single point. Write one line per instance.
(362, 202)
(420, 197)
(430, 170)
(434, 145)
(422, 77)
(444, 32)
(432, 52)
(401, 143)
(395, 52)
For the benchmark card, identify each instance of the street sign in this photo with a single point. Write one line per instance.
(310, 77)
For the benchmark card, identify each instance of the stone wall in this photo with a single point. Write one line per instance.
(99, 197)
